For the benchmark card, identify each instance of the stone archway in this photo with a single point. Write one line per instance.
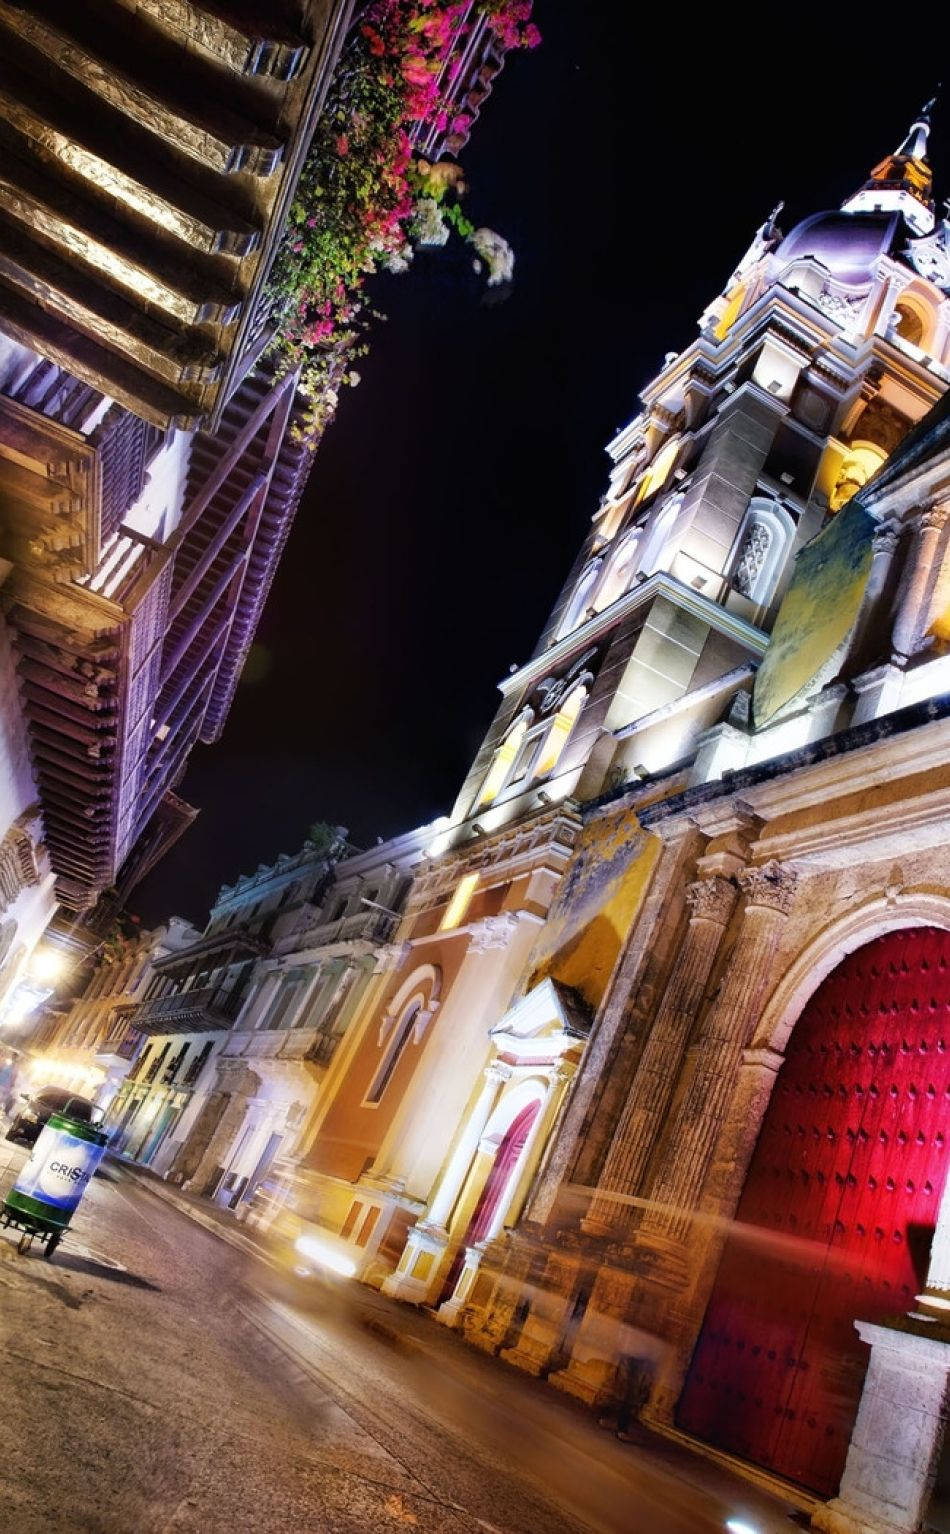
(842, 1191)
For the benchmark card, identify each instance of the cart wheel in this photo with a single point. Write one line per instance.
(24, 1243)
(53, 1242)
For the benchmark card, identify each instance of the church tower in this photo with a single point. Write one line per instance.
(824, 348)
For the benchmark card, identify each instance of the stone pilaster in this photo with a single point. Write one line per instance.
(865, 633)
(711, 903)
(769, 891)
(895, 1448)
(913, 617)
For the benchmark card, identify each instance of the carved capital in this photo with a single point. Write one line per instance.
(771, 886)
(934, 518)
(884, 539)
(711, 899)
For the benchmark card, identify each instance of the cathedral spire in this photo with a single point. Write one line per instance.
(903, 182)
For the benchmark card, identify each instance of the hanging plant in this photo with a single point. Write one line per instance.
(363, 200)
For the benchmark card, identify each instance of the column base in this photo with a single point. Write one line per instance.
(591, 1380)
(419, 1273)
(837, 1518)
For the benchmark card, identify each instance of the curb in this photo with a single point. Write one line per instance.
(161, 1190)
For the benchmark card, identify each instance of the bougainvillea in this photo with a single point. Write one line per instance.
(364, 200)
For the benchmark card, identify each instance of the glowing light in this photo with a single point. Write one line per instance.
(46, 964)
(325, 1254)
(459, 904)
(736, 1526)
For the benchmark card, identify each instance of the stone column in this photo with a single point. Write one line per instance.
(883, 548)
(459, 1162)
(914, 616)
(711, 903)
(769, 891)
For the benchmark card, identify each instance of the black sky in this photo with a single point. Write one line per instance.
(629, 170)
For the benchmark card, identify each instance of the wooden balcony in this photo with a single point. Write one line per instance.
(129, 650)
(209, 1010)
(150, 149)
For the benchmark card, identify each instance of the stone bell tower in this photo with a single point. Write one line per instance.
(823, 349)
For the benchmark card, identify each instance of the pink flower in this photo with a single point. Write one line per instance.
(342, 144)
(531, 37)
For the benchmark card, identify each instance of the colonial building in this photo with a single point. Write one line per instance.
(89, 1046)
(651, 1097)
(243, 1023)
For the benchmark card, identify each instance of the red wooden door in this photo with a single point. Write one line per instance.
(505, 1160)
(837, 1213)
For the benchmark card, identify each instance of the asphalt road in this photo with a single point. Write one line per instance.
(156, 1381)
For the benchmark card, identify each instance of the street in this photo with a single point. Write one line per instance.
(158, 1380)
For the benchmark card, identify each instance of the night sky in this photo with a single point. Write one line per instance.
(629, 171)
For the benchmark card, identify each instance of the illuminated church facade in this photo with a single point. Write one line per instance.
(650, 1096)
(647, 1092)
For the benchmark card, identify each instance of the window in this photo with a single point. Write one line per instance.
(499, 773)
(401, 1034)
(576, 610)
(559, 732)
(761, 548)
(619, 573)
(287, 996)
(455, 910)
(752, 557)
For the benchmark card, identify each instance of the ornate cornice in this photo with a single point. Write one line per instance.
(771, 886)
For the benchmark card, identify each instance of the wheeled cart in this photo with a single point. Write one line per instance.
(45, 1196)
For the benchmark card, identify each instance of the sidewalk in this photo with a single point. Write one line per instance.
(408, 1328)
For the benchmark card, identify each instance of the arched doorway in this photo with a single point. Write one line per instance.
(837, 1212)
(510, 1148)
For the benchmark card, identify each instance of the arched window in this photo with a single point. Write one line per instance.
(909, 324)
(576, 610)
(559, 733)
(760, 550)
(618, 574)
(404, 1022)
(500, 772)
(397, 1045)
(659, 535)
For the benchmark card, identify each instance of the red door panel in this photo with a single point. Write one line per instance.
(836, 1216)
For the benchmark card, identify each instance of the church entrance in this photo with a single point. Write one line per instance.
(497, 1182)
(836, 1216)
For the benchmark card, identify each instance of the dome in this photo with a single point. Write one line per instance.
(848, 244)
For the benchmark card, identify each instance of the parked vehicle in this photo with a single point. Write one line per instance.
(26, 1123)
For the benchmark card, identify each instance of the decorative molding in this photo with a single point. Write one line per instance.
(658, 585)
(494, 932)
(771, 886)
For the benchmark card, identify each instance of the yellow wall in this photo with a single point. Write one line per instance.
(597, 904)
